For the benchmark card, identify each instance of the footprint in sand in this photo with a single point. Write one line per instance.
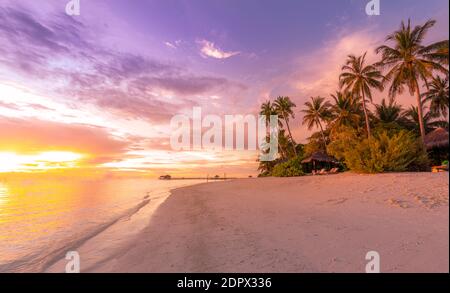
(337, 201)
(431, 201)
(397, 203)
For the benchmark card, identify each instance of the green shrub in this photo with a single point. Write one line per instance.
(383, 152)
(291, 168)
(264, 174)
(313, 146)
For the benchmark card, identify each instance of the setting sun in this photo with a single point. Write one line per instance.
(12, 162)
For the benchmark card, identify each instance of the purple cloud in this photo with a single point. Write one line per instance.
(61, 49)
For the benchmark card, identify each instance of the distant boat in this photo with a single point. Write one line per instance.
(165, 177)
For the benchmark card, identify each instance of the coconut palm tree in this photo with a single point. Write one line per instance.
(437, 95)
(389, 112)
(284, 108)
(317, 111)
(346, 111)
(268, 109)
(360, 78)
(429, 119)
(410, 62)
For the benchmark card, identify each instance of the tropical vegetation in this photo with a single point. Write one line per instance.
(367, 136)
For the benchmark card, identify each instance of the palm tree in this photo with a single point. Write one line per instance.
(317, 111)
(359, 79)
(429, 119)
(268, 109)
(283, 107)
(409, 62)
(437, 95)
(389, 112)
(346, 111)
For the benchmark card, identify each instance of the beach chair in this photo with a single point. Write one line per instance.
(334, 171)
(322, 172)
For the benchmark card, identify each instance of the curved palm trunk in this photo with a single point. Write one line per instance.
(323, 136)
(283, 153)
(290, 135)
(369, 134)
(281, 146)
(268, 137)
(268, 130)
(420, 112)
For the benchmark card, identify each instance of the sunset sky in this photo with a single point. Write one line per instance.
(97, 91)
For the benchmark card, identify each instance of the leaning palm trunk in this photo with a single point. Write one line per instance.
(283, 152)
(290, 135)
(420, 111)
(365, 114)
(323, 137)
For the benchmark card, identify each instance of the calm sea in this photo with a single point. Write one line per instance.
(41, 218)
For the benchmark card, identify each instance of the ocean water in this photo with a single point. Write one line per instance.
(41, 219)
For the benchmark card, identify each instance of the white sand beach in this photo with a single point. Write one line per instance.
(305, 224)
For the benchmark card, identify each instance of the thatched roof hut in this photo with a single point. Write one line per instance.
(436, 139)
(320, 157)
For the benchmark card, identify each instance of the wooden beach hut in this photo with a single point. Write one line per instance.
(436, 143)
(318, 161)
(438, 138)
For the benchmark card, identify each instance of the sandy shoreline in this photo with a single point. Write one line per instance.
(306, 224)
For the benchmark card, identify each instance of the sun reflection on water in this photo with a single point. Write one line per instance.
(3, 193)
